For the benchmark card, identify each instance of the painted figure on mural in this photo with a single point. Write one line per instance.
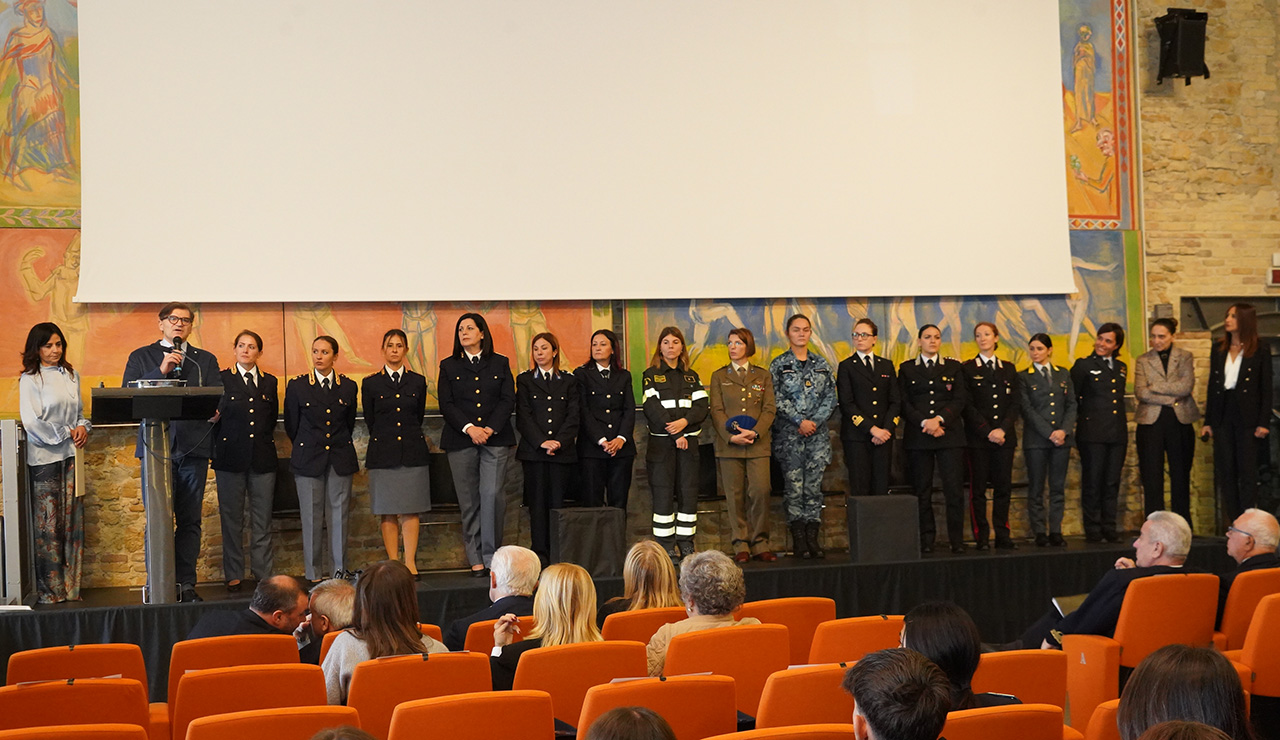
(777, 314)
(59, 286)
(705, 313)
(419, 325)
(902, 318)
(1084, 66)
(315, 319)
(1106, 173)
(36, 135)
(1078, 302)
(527, 321)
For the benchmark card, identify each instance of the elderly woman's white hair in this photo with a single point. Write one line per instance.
(1172, 531)
(712, 583)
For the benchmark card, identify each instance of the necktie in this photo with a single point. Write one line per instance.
(249, 382)
(1109, 365)
(928, 364)
(325, 384)
(1045, 372)
(395, 377)
(991, 364)
(604, 374)
(742, 373)
(476, 360)
(866, 361)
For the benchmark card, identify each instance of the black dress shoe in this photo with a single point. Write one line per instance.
(235, 588)
(1093, 538)
(958, 549)
(1113, 538)
(926, 547)
(187, 594)
(1042, 540)
(1057, 540)
(480, 573)
(982, 546)
(1004, 543)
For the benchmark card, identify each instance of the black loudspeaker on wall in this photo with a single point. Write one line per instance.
(1182, 33)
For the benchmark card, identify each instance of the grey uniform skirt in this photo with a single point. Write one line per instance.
(400, 490)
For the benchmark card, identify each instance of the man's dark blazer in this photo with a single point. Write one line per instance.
(484, 395)
(193, 438)
(1101, 609)
(607, 409)
(222, 623)
(456, 635)
(1257, 562)
(243, 439)
(869, 397)
(394, 415)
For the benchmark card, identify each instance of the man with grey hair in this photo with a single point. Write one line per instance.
(1251, 542)
(332, 604)
(513, 574)
(712, 587)
(1162, 547)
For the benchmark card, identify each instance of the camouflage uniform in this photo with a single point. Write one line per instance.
(802, 390)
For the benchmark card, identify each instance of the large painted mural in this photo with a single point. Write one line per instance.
(40, 248)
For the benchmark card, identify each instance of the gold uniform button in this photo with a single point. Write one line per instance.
(397, 423)
(608, 411)
(328, 411)
(327, 436)
(477, 390)
(1051, 403)
(874, 403)
(250, 436)
(326, 447)
(477, 405)
(250, 423)
(251, 410)
(328, 423)
(397, 395)
(397, 408)
(873, 388)
(397, 439)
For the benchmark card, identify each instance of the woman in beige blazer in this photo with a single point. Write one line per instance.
(1164, 378)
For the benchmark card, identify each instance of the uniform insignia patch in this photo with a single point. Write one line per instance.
(858, 419)
(659, 378)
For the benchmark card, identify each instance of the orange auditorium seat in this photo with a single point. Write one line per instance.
(801, 615)
(566, 672)
(641, 624)
(695, 706)
(847, 640)
(245, 687)
(378, 686)
(479, 637)
(290, 723)
(805, 695)
(509, 715)
(748, 653)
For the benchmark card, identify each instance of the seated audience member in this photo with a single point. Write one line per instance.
(947, 635)
(1179, 682)
(345, 732)
(564, 612)
(1251, 542)
(630, 723)
(712, 588)
(649, 581)
(278, 607)
(898, 694)
(1161, 548)
(513, 574)
(1180, 730)
(384, 622)
(331, 604)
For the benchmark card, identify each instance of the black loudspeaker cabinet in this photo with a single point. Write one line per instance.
(1182, 34)
(883, 529)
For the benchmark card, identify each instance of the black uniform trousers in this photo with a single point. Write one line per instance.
(1235, 461)
(990, 465)
(673, 481)
(545, 484)
(1166, 438)
(606, 481)
(868, 466)
(1101, 464)
(1046, 465)
(950, 465)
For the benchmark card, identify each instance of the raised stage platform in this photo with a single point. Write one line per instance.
(1005, 591)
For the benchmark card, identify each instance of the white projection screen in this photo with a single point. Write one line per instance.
(385, 150)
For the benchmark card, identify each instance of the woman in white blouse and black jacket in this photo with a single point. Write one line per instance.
(1238, 409)
(53, 419)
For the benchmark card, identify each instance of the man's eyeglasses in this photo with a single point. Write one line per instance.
(1239, 531)
(179, 320)
(862, 335)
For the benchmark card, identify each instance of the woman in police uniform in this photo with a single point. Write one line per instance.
(395, 400)
(1102, 432)
(244, 461)
(319, 415)
(675, 405)
(742, 410)
(805, 394)
(933, 402)
(994, 401)
(547, 417)
(477, 397)
(1049, 421)
(606, 450)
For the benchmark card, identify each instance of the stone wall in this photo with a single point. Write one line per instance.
(1210, 194)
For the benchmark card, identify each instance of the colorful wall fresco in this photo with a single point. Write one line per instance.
(39, 264)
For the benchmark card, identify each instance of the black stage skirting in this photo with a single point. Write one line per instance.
(1005, 591)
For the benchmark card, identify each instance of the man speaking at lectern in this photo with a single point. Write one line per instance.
(190, 442)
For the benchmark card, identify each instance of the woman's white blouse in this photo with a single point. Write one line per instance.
(51, 408)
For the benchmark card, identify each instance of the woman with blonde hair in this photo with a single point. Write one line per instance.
(564, 613)
(384, 622)
(649, 581)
